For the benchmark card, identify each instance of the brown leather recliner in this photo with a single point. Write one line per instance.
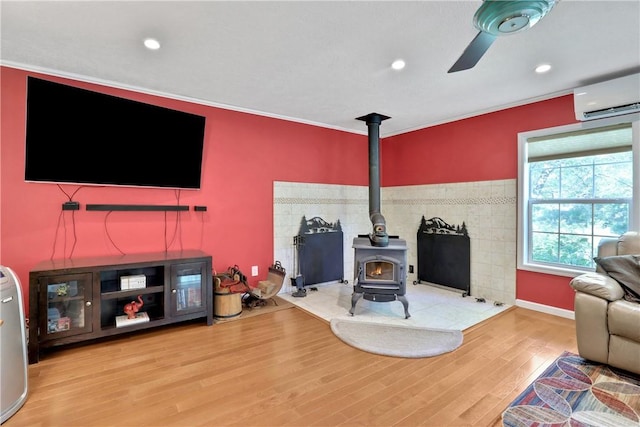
(607, 325)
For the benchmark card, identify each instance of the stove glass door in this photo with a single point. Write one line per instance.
(379, 271)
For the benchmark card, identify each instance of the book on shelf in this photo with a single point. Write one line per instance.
(194, 297)
(124, 320)
(188, 298)
(138, 281)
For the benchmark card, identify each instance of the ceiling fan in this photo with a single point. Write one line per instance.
(499, 18)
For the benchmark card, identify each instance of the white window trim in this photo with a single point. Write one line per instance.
(523, 190)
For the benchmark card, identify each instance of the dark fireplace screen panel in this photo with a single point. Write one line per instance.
(444, 255)
(320, 251)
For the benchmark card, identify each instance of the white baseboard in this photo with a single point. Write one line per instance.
(561, 312)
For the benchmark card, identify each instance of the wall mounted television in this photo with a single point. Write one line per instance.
(78, 136)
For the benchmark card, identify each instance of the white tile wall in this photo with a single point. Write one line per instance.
(488, 208)
(292, 201)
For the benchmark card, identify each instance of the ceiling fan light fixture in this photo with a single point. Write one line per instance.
(498, 17)
(514, 23)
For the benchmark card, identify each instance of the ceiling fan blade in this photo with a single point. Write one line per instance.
(473, 52)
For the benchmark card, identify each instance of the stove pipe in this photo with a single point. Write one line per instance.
(379, 237)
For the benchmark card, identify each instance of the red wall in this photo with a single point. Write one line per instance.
(544, 289)
(480, 148)
(244, 154)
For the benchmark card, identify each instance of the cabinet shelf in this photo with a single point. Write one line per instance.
(131, 292)
(52, 300)
(155, 315)
(78, 300)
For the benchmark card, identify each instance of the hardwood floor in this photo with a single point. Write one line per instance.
(286, 368)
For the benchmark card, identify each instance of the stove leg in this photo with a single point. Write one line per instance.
(354, 299)
(405, 303)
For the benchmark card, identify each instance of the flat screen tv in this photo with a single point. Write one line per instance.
(78, 136)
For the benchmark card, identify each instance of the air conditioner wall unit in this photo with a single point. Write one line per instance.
(607, 99)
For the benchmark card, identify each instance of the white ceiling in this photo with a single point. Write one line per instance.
(322, 62)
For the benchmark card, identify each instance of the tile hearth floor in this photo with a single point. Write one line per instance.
(429, 306)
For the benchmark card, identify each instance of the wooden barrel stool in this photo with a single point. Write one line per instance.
(226, 304)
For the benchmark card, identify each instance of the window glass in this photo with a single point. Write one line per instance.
(580, 189)
(545, 180)
(576, 182)
(614, 179)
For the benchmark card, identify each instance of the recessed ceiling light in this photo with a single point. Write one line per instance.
(152, 44)
(398, 64)
(543, 68)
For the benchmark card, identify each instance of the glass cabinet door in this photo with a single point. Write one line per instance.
(65, 305)
(187, 288)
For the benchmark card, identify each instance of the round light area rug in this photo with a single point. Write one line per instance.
(396, 340)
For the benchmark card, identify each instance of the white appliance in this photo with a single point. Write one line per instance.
(607, 99)
(13, 345)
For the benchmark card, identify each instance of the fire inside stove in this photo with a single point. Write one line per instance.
(379, 270)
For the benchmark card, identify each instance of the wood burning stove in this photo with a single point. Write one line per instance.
(380, 274)
(380, 259)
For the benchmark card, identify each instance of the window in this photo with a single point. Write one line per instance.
(577, 185)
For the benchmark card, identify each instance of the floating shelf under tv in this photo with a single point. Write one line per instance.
(137, 208)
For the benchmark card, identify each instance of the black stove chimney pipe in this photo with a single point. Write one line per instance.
(379, 237)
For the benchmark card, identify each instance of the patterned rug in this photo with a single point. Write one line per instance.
(574, 392)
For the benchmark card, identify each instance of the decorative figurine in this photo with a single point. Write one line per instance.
(62, 290)
(133, 307)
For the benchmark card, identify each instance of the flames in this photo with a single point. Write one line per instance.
(380, 271)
